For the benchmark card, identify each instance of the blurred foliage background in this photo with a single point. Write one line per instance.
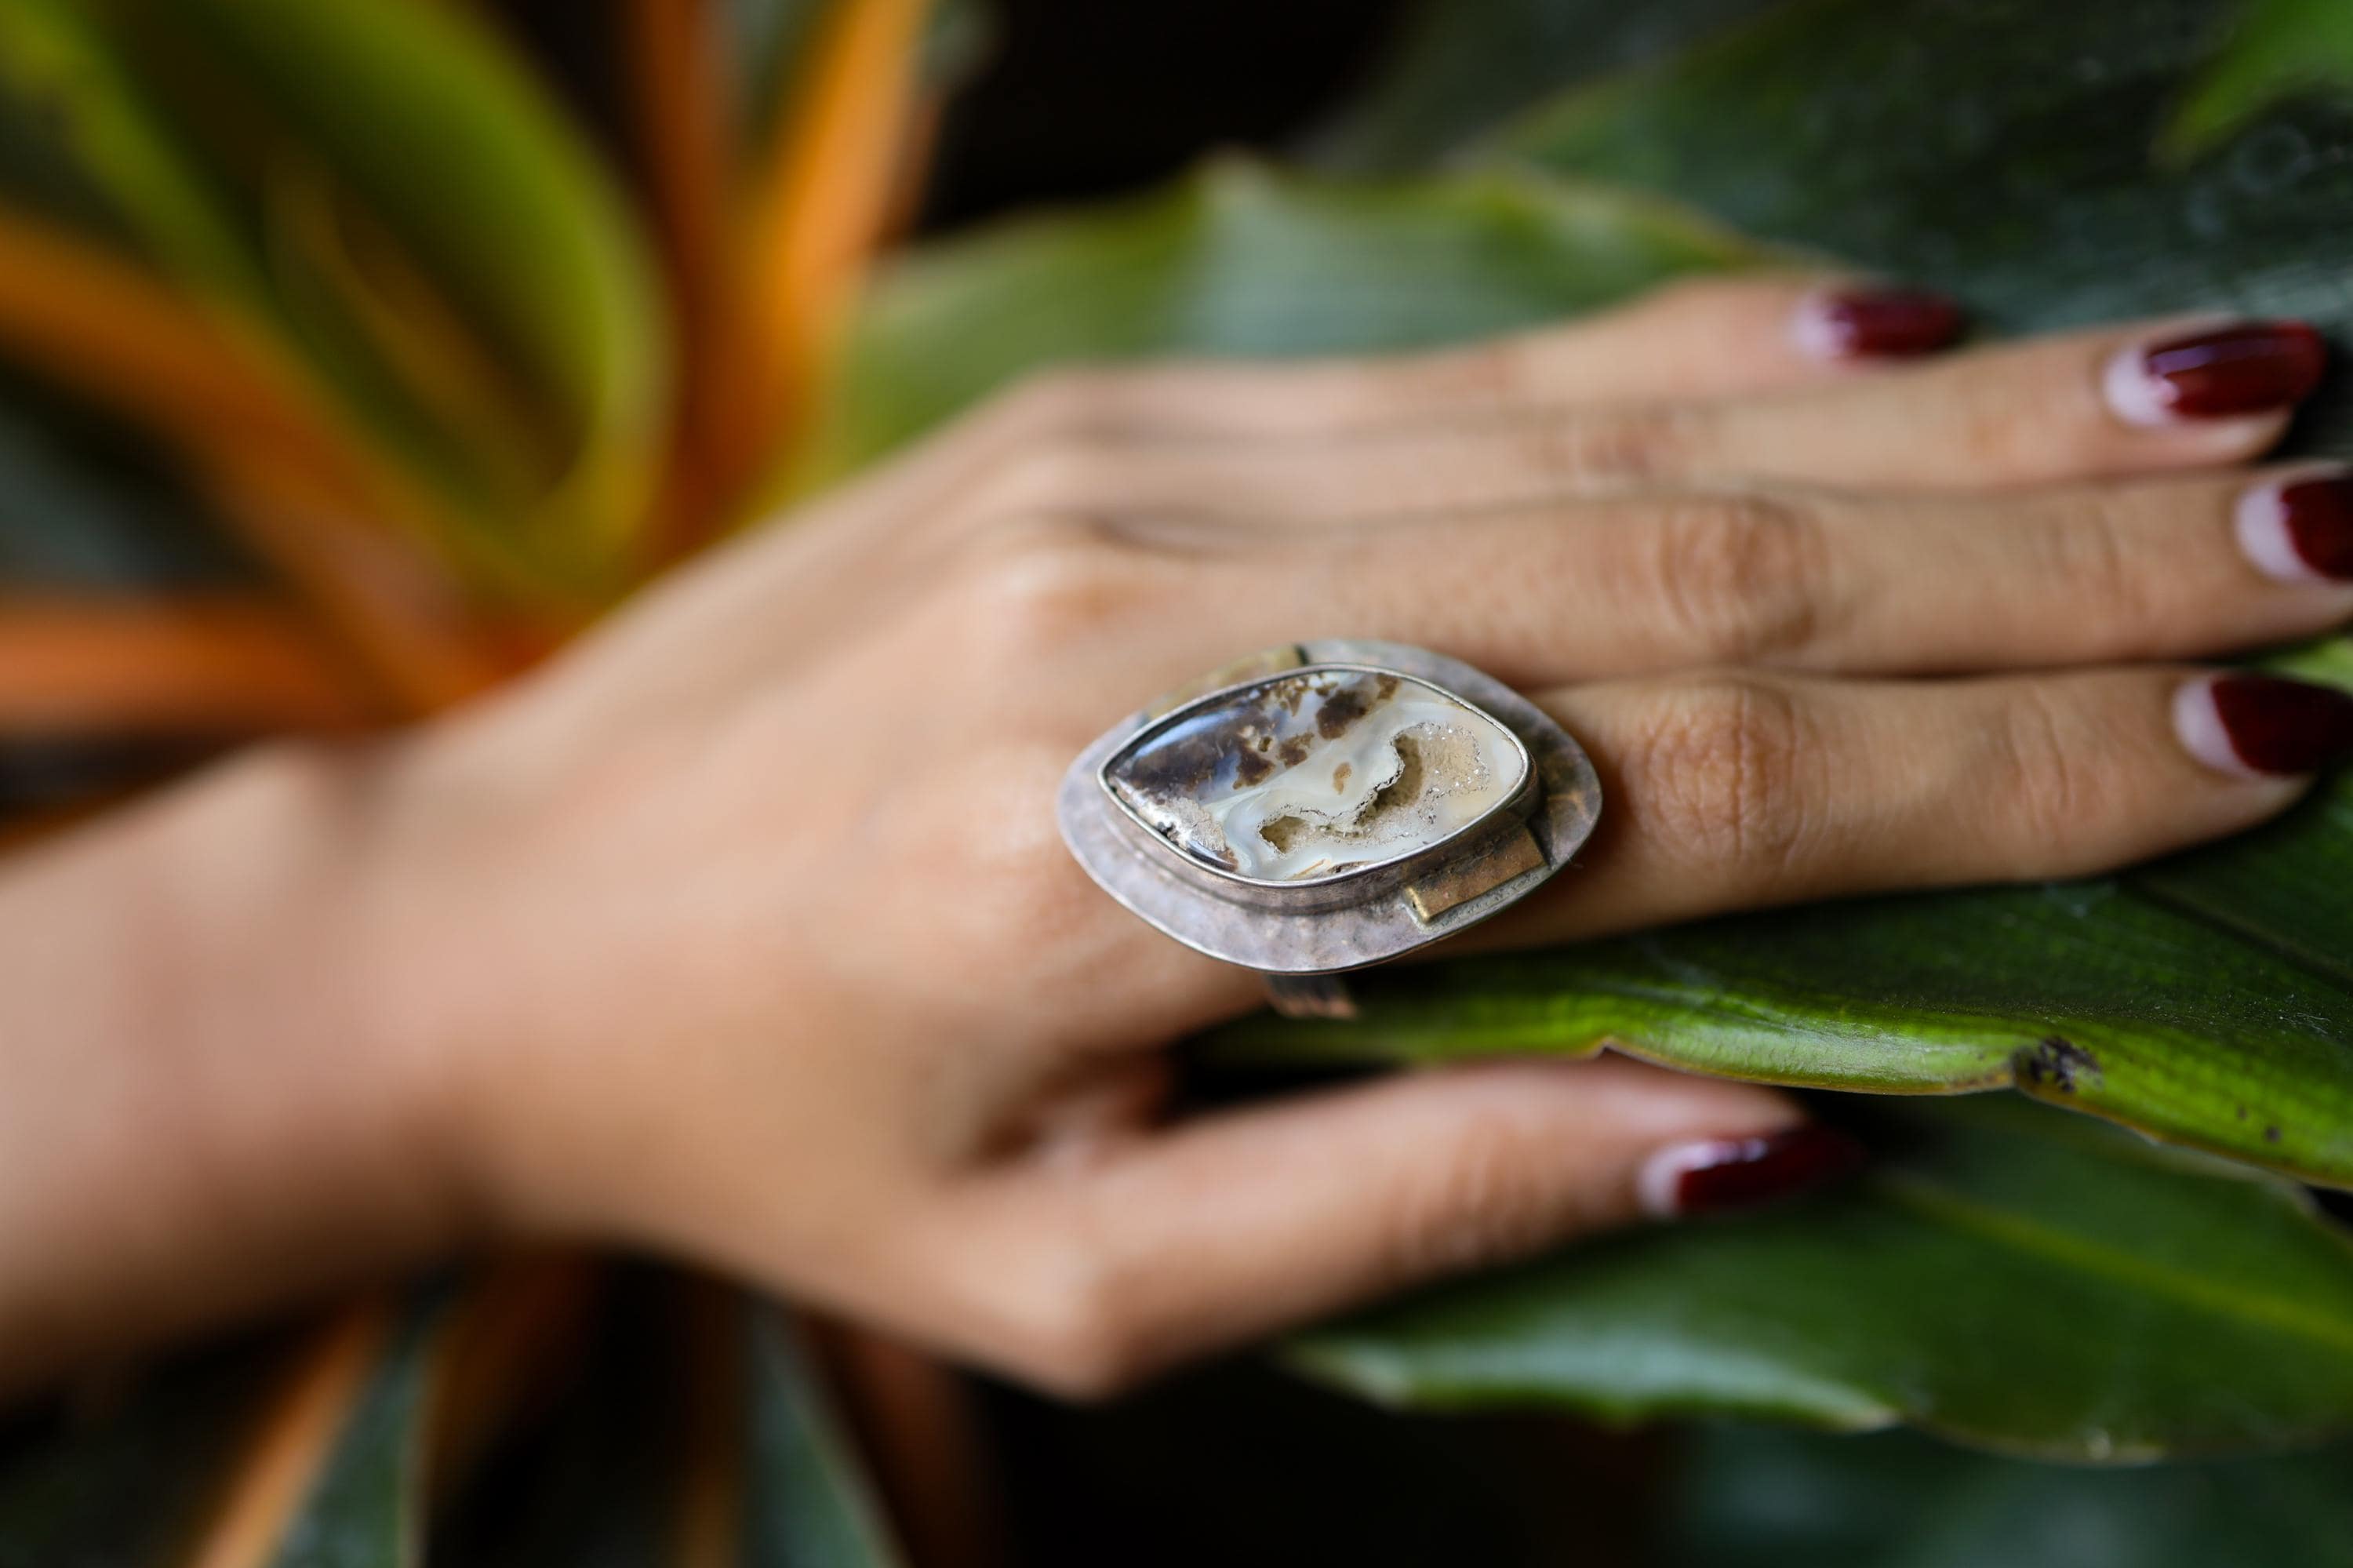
(354, 356)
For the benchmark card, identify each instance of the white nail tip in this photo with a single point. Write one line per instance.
(1662, 1175)
(2261, 522)
(2134, 394)
(2198, 721)
(1813, 332)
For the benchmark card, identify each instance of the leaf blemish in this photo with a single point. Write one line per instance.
(2055, 1062)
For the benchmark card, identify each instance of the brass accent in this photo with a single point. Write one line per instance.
(1515, 855)
(1257, 667)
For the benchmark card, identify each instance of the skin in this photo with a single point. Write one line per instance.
(742, 933)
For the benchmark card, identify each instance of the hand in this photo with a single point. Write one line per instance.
(744, 932)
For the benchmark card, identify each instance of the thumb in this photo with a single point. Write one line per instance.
(1222, 1230)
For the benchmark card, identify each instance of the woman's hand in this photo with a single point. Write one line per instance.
(744, 932)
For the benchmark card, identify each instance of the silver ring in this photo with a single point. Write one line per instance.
(1325, 806)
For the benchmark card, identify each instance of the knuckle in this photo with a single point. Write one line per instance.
(1742, 578)
(1619, 445)
(1045, 581)
(1719, 775)
(2055, 778)
(2089, 556)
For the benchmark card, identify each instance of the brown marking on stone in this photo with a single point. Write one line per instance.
(1296, 749)
(1385, 687)
(1340, 710)
(1340, 778)
(1249, 767)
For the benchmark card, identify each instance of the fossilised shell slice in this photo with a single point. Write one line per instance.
(1316, 773)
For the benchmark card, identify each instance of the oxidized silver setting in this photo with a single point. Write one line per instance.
(1148, 807)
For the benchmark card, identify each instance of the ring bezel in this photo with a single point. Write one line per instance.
(1348, 919)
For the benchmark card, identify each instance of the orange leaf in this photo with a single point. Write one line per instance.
(308, 494)
(184, 666)
(817, 205)
(291, 1447)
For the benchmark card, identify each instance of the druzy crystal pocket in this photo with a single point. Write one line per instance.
(1317, 772)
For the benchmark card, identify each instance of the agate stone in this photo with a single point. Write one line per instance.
(1316, 772)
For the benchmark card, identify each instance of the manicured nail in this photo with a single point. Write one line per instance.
(2263, 727)
(2300, 528)
(1874, 324)
(2246, 367)
(1735, 1173)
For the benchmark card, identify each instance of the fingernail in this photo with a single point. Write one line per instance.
(2246, 367)
(1874, 324)
(2263, 725)
(2300, 529)
(1718, 1173)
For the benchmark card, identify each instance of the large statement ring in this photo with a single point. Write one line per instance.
(1325, 806)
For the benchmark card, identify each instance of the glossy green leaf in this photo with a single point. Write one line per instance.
(1242, 260)
(1751, 1498)
(2000, 1276)
(365, 1508)
(451, 147)
(1460, 66)
(2278, 50)
(93, 145)
(2005, 151)
(2207, 1000)
(2090, 995)
(88, 505)
(2002, 149)
(383, 188)
(136, 1482)
(808, 1503)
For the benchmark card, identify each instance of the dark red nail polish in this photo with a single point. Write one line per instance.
(2317, 514)
(2283, 726)
(1877, 324)
(1736, 1173)
(2252, 367)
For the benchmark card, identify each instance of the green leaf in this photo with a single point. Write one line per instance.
(1461, 67)
(383, 187)
(365, 1508)
(1243, 261)
(86, 504)
(808, 1503)
(1748, 1498)
(2001, 149)
(2208, 1001)
(135, 1486)
(2280, 50)
(2000, 1276)
(2087, 994)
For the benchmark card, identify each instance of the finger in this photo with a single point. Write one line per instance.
(2049, 411)
(1740, 792)
(1706, 339)
(1233, 1226)
(1814, 581)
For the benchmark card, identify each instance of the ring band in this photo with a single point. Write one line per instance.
(1325, 806)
